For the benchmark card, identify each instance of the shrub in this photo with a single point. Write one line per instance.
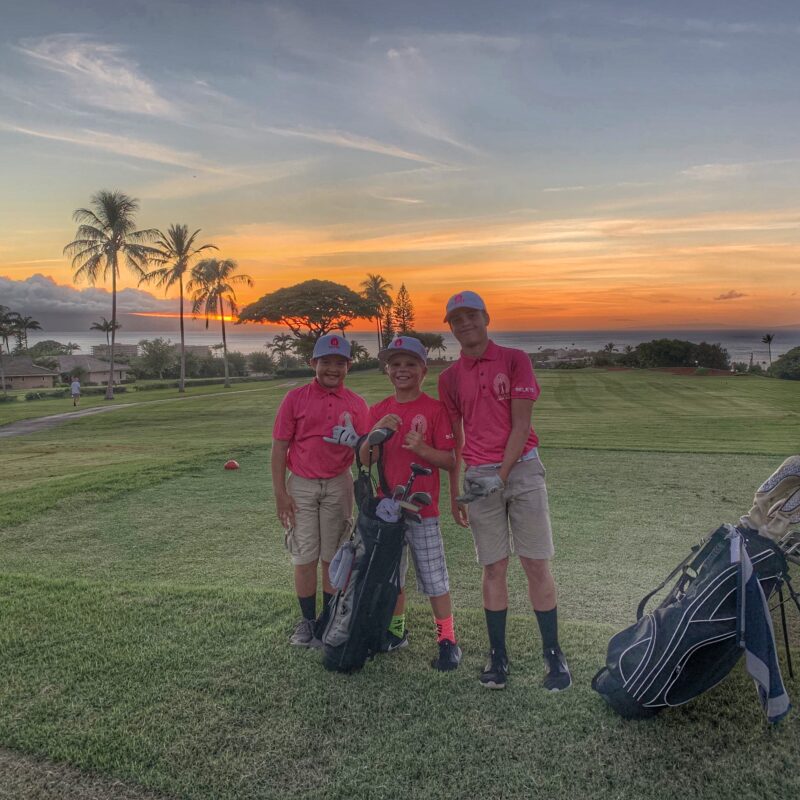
(787, 366)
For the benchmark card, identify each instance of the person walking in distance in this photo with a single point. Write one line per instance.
(489, 393)
(75, 390)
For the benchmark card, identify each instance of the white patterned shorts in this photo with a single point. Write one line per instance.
(427, 549)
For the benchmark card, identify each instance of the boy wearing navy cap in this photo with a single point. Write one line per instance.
(315, 503)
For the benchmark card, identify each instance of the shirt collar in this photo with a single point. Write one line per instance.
(320, 390)
(491, 353)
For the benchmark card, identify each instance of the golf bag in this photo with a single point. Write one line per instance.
(716, 610)
(361, 610)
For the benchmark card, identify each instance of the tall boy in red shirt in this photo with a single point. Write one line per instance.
(489, 393)
(423, 434)
(315, 504)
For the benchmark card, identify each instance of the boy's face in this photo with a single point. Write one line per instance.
(405, 371)
(469, 326)
(330, 370)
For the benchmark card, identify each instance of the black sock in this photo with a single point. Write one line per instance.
(324, 615)
(548, 627)
(496, 625)
(308, 606)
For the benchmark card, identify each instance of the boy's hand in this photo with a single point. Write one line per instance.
(286, 508)
(389, 421)
(343, 434)
(460, 513)
(415, 442)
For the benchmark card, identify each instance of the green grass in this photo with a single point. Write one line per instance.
(145, 599)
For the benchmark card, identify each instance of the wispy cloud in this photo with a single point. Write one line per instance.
(99, 74)
(441, 41)
(731, 295)
(113, 143)
(407, 200)
(565, 189)
(351, 141)
(715, 172)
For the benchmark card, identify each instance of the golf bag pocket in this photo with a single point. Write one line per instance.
(341, 565)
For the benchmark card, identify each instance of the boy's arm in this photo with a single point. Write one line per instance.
(284, 503)
(415, 442)
(459, 510)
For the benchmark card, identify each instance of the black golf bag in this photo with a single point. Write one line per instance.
(696, 635)
(361, 611)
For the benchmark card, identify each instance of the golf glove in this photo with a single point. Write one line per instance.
(481, 486)
(388, 510)
(775, 505)
(344, 435)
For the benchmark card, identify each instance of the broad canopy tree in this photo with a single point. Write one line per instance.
(309, 309)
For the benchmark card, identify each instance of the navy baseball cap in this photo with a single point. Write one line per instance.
(332, 344)
(463, 300)
(404, 344)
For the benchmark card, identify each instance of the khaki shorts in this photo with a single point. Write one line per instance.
(516, 520)
(323, 519)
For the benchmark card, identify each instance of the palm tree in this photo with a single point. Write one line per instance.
(106, 232)
(177, 250)
(767, 339)
(282, 344)
(6, 331)
(104, 326)
(610, 347)
(22, 326)
(357, 351)
(376, 293)
(212, 285)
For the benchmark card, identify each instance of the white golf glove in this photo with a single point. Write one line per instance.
(344, 435)
(481, 486)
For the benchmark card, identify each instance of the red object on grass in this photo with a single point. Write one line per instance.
(231, 464)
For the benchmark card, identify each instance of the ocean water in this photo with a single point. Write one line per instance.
(739, 343)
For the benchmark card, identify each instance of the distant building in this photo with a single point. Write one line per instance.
(104, 350)
(22, 373)
(96, 371)
(199, 350)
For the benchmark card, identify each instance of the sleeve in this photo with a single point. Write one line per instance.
(285, 422)
(442, 437)
(446, 397)
(523, 382)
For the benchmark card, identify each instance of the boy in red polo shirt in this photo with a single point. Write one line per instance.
(315, 504)
(490, 390)
(423, 434)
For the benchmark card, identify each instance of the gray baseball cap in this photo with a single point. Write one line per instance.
(332, 344)
(404, 344)
(464, 300)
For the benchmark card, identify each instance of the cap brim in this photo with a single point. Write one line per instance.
(385, 354)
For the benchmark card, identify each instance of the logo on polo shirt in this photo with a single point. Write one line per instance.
(502, 386)
(419, 424)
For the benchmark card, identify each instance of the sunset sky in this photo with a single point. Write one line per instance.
(580, 164)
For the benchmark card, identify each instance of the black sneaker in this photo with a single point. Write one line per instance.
(556, 672)
(449, 656)
(495, 673)
(304, 635)
(392, 642)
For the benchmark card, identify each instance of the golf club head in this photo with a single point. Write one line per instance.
(412, 515)
(398, 492)
(790, 544)
(408, 506)
(379, 436)
(421, 498)
(418, 469)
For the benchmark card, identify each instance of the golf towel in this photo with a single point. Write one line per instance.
(757, 637)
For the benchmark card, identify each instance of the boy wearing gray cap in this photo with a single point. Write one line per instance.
(423, 434)
(315, 503)
(490, 392)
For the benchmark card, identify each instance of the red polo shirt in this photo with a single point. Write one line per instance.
(480, 391)
(428, 416)
(308, 413)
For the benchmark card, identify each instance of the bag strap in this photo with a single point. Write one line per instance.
(379, 464)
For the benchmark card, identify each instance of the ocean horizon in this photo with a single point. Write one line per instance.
(739, 343)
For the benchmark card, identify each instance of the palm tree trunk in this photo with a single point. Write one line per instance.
(2, 373)
(769, 350)
(182, 378)
(224, 345)
(110, 385)
(380, 332)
